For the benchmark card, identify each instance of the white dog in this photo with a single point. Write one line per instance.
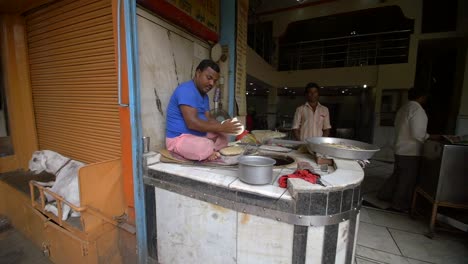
(66, 179)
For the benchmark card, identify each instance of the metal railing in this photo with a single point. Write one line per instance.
(355, 50)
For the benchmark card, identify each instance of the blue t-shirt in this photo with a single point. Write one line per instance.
(185, 94)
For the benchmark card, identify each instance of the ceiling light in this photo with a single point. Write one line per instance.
(255, 89)
(247, 93)
(342, 91)
(364, 86)
(285, 88)
(251, 83)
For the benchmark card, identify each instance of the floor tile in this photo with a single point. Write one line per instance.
(435, 250)
(415, 261)
(376, 237)
(364, 217)
(378, 256)
(364, 261)
(396, 221)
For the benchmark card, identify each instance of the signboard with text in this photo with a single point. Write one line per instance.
(204, 11)
(199, 17)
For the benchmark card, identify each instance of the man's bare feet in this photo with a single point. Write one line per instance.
(216, 155)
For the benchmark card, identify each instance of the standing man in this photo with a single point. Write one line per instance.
(190, 129)
(410, 134)
(311, 119)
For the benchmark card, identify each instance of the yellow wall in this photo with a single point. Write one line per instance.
(261, 70)
(18, 89)
(282, 19)
(382, 77)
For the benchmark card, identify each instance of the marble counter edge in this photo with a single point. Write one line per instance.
(340, 179)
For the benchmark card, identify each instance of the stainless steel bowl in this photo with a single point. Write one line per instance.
(366, 151)
(316, 145)
(256, 170)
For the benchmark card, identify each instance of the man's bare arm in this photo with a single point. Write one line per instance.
(210, 118)
(193, 122)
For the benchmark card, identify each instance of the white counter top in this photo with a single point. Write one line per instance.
(343, 174)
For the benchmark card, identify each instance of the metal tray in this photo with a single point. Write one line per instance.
(316, 144)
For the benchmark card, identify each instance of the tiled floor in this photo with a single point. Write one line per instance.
(387, 237)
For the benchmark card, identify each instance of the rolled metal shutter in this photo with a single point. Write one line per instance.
(74, 79)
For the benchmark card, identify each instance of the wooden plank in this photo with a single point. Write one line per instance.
(99, 184)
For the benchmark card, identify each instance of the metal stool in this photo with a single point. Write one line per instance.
(435, 205)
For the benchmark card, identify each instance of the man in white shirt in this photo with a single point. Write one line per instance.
(311, 119)
(410, 134)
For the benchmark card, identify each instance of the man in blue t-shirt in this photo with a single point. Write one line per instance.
(190, 129)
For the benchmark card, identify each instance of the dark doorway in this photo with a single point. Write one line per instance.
(436, 72)
(6, 145)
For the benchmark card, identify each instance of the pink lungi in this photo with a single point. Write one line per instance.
(196, 148)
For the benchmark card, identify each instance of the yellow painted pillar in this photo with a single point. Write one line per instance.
(15, 65)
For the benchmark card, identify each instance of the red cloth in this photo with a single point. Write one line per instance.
(306, 175)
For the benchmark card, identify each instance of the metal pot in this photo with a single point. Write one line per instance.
(256, 170)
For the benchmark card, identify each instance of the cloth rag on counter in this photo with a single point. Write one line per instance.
(304, 174)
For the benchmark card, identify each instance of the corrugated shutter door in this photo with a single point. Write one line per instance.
(74, 79)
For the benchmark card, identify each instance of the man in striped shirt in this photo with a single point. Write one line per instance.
(311, 119)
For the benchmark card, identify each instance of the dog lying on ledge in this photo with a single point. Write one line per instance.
(66, 179)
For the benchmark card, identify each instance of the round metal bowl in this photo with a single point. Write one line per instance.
(366, 151)
(256, 170)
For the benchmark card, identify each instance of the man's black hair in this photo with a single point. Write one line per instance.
(208, 63)
(310, 86)
(415, 93)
